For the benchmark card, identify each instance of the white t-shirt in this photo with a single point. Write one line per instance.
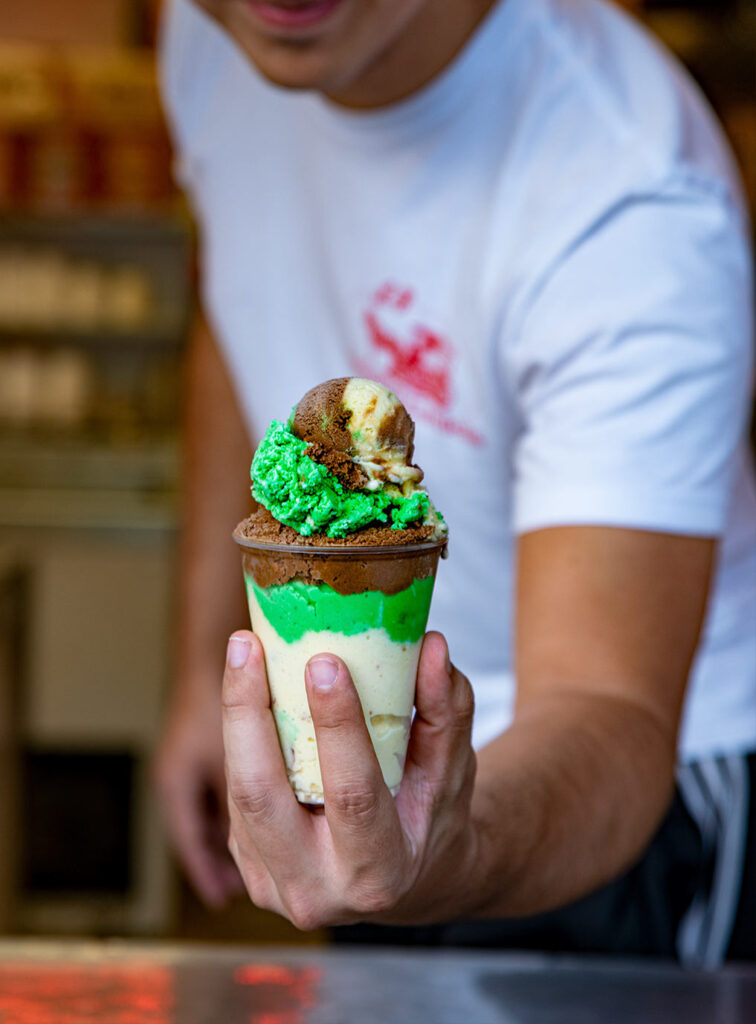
(544, 253)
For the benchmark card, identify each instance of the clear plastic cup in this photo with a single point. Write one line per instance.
(369, 606)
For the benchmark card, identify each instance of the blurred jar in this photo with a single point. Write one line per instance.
(83, 300)
(115, 100)
(133, 168)
(56, 170)
(11, 287)
(63, 389)
(18, 380)
(30, 104)
(129, 303)
(8, 151)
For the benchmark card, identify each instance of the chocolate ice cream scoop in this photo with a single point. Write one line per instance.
(340, 465)
(320, 417)
(363, 420)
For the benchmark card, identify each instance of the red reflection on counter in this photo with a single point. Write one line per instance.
(298, 984)
(44, 994)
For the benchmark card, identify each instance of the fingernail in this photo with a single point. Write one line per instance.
(323, 673)
(448, 663)
(237, 653)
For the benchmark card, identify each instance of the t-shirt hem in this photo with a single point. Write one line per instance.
(690, 515)
(731, 738)
(739, 741)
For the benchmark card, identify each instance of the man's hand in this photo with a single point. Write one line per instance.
(368, 857)
(192, 788)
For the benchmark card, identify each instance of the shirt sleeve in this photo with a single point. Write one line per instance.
(632, 370)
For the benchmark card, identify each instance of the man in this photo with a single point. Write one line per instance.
(521, 217)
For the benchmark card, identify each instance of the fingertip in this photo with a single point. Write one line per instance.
(243, 634)
(331, 693)
(244, 676)
(209, 888)
(229, 879)
(241, 644)
(435, 680)
(237, 652)
(322, 672)
(435, 652)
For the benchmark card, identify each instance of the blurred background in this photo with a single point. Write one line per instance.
(96, 295)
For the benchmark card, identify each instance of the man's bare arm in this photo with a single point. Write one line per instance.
(608, 621)
(215, 496)
(189, 766)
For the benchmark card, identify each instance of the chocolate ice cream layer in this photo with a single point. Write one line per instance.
(341, 567)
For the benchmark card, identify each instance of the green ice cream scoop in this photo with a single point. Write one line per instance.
(306, 496)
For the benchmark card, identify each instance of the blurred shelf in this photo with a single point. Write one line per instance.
(91, 253)
(138, 224)
(169, 336)
(80, 464)
(46, 509)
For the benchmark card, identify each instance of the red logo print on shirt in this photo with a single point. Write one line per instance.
(411, 359)
(422, 360)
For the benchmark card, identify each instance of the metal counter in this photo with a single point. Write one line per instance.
(117, 983)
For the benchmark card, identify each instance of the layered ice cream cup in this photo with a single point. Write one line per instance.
(339, 556)
(366, 604)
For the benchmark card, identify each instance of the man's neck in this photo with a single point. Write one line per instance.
(428, 44)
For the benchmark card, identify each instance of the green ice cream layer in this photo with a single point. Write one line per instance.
(296, 608)
(304, 495)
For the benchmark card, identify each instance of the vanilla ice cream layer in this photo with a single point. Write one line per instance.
(383, 670)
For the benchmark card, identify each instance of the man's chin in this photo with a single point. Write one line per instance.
(294, 68)
(294, 78)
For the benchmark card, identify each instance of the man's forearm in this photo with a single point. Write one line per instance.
(217, 452)
(565, 800)
(607, 624)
